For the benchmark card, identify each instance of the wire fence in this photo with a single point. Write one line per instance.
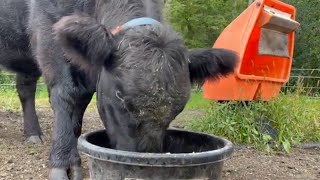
(305, 80)
(9, 80)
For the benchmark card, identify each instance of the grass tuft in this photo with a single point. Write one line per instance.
(295, 118)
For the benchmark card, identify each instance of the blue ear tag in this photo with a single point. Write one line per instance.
(140, 22)
(135, 22)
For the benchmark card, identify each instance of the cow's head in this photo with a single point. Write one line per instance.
(145, 76)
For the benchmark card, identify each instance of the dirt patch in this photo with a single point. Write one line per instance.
(250, 164)
(22, 161)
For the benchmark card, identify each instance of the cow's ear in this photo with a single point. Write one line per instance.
(84, 41)
(210, 63)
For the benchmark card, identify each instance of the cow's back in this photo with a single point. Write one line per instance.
(13, 20)
(15, 53)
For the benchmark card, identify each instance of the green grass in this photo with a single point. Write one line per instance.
(295, 117)
(9, 100)
(196, 102)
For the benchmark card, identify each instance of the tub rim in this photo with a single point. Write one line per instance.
(156, 159)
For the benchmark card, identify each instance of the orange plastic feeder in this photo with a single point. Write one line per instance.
(263, 37)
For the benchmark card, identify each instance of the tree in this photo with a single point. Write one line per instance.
(201, 21)
(307, 43)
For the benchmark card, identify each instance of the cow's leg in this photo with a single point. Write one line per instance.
(26, 87)
(77, 116)
(69, 104)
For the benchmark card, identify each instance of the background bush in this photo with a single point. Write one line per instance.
(201, 21)
(307, 44)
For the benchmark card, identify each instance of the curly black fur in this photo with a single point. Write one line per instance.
(211, 63)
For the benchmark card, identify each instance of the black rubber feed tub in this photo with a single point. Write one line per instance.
(191, 156)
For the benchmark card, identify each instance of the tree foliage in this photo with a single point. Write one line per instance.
(307, 43)
(201, 21)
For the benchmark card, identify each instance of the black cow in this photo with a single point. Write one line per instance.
(16, 56)
(142, 75)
